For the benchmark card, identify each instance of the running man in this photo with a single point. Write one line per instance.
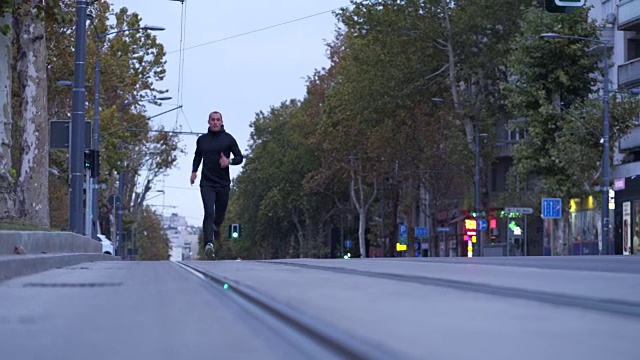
(214, 150)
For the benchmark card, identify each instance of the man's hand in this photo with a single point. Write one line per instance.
(193, 177)
(224, 161)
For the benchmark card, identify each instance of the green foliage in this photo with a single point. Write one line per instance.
(269, 198)
(551, 89)
(370, 110)
(22, 225)
(152, 241)
(132, 62)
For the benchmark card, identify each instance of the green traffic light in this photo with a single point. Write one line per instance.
(235, 235)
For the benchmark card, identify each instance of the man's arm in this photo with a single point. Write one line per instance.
(197, 157)
(237, 154)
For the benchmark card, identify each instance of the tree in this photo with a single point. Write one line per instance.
(152, 241)
(551, 89)
(33, 177)
(7, 174)
(131, 64)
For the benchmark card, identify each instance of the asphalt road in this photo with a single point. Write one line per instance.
(127, 310)
(415, 309)
(613, 264)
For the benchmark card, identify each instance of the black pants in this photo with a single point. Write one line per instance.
(215, 201)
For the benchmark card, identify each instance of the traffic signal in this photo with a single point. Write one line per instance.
(95, 169)
(92, 161)
(88, 159)
(234, 231)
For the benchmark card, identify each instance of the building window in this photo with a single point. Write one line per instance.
(494, 177)
(633, 49)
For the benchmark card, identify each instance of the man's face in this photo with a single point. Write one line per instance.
(215, 122)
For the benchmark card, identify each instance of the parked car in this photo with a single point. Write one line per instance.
(107, 245)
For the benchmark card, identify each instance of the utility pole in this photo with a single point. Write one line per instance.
(478, 251)
(605, 158)
(76, 153)
(120, 191)
(96, 138)
(383, 235)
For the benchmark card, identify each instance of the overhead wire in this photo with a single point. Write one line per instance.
(183, 22)
(256, 30)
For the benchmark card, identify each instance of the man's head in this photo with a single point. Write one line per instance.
(215, 121)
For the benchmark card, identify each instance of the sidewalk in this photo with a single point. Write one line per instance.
(45, 251)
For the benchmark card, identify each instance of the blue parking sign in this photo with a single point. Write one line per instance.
(403, 233)
(551, 208)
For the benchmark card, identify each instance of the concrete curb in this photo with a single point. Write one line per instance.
(12, 266)
(44, 242)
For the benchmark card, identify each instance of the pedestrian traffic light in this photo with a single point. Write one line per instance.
(92, 162)
(234, 231)
(88, 160)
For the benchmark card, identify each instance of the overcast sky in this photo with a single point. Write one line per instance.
(238, 76)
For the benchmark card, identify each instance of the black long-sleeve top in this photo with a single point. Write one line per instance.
(209, 146)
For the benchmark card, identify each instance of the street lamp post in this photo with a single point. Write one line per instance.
(605, 137)
(478, 249)
(477, 191)
(76, 150)
(93, 212)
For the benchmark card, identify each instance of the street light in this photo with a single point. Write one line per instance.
(605, 136)
(476, 178)
(78, 116)
(76, 148)
(93, 211)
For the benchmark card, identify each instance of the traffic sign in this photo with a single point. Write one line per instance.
(518, 210)
(114, 199)
(443, 229)
(403, 232)
(562, 6)
(60, 133)
(575, 3)
(482, 225)
(347, 243)
(421, 232)
(416, 245)
(551, 208)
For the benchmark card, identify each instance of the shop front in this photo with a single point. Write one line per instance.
(584, 221)
(627, 216)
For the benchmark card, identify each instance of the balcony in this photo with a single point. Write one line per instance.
(629, 74)
(506, 148)
(631, 140)
(607, 34)
(629, 15)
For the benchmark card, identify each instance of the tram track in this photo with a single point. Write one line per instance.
(614, 306)
(322, 340)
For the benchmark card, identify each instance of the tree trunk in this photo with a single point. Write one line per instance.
(7, 199)
(299, 233)
(32, 189)
(361, 234)
(453, 81)
(362, 205)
